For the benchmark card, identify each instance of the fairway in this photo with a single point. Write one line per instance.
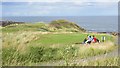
(66, 39)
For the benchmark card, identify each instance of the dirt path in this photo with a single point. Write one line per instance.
(78, 60)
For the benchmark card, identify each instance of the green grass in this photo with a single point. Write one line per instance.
(64, 39)
(25, 27)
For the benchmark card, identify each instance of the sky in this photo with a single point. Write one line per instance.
(59, 8)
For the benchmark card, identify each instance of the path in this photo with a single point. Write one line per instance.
(78, 60)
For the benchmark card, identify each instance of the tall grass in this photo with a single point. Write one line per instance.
(35, 55)
(95, 49)
(39, 54)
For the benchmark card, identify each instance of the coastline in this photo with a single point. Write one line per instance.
(115, 33)
(105, 32)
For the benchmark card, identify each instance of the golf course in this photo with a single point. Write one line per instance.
(58, 43)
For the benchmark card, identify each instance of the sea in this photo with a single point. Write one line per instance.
(90, 23)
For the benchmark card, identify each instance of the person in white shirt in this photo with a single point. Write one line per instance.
(89, 40)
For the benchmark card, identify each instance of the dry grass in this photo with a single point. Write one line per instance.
(101, 45)
(102, 62)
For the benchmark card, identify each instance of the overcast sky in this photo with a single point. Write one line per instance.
(59, 7)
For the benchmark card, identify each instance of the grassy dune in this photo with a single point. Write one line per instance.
(26, 44)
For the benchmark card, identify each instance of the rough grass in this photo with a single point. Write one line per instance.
(95, 49)
(37, 54)
(101, 62)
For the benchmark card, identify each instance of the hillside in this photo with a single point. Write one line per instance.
(66, 25)
(54, 26)
(6, 23)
